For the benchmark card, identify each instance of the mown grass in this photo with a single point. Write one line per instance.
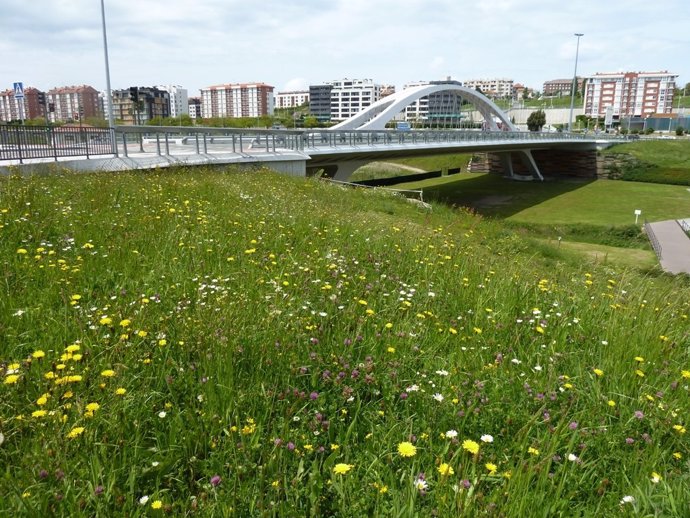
(224, 343)
(665, 161)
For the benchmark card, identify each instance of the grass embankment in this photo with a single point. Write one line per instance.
(666, 161)
(206, 343)
(407, 166)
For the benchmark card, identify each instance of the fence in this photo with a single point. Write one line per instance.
(25, 142)
(653, 239)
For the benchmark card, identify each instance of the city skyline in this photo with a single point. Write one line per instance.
(293, 44)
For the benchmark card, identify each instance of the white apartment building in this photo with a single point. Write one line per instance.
(350, 96)
(178, 99)
(292, 99)
(632, 94)
(441, 108)
(237, 100)
(493, 88)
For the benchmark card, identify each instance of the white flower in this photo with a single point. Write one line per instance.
(628, 499)
(162, 414)
(486, 438)
(420, 484)
(144, 499)
(438, 397)
(515, 361)
(412, 388)
(155, 463)
(451, 434)
(442, 372)
(572, 457)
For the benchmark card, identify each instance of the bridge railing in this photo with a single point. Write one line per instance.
(20, 143)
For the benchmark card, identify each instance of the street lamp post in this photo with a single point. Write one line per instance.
(109, 95)
(574, 85)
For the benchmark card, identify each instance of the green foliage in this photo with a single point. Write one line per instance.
(658, 161)
(205, 342)
(680, 130)
(536, 120)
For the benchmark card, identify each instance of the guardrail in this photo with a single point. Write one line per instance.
(684, 225)
(25, 142)
(653, 239)
(29, 142)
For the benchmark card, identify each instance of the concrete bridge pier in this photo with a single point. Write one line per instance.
(345, 169)
(528, 161)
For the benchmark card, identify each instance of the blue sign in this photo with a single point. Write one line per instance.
(18, 90)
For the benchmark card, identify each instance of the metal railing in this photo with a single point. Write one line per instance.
(20, 143)
(652, 239)
(28, 142)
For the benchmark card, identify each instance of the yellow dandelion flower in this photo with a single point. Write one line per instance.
(72, 348)
(125, 323)
(11, 379)
(105, 321)
(37, 354)
(92, 407)
(407, 449)
(38, 413)
(341, 469)
(120, 391)
(598, 372)
(639, 373)
(471, 446)
(677, 455)
(391, 349)
(685, 374)
(156, 504)
(108, 373)
(446, 469)
(611, 403)
(679, 428)
(22, 251)
(539, 330)
(43, 399)
(75, 432)
(639, 359)
(491, 467)
(532, 451)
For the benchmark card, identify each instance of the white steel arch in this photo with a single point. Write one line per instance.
(382, 111)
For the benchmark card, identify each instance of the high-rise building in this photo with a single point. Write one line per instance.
(292, 99)
(179, 104)
(12, 109)
(320, 101)
(633, 94)
(492, 88)
(237, 100)
(74, 103)
(350, 96)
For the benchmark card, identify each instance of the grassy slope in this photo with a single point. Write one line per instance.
(271, 331)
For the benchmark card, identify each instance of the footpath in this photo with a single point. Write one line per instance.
(672, 245)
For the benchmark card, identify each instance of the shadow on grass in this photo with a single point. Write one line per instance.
(495, 196)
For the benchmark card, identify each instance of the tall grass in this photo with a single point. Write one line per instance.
(224, 343)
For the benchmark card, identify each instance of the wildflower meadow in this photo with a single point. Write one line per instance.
(207, 342)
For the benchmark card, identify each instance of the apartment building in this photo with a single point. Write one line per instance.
(350, 96)
(320, 101)
(179, 103)
(237, 100)
(74, 103)
(630, 94)
(194, 107)
(150, 103)
(292, 99)
(561, 86)
(12, 109)
(492, 88)
(441, 108)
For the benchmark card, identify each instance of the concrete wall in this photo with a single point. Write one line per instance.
(551, 163)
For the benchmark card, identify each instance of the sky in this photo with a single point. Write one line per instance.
(291, 44)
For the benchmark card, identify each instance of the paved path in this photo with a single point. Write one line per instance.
(675, 246)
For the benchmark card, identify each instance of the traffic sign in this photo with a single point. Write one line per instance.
(18, 90)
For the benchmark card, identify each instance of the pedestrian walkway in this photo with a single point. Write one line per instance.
(671, 244)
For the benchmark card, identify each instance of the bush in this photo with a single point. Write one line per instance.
(680, 130)
(649, 131)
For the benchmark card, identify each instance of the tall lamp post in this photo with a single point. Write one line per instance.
(574, 85)
(109, 94)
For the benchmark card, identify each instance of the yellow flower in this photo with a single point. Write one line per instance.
(11, 379)
(105, 321)
(679, 428)
(539, 329)
(532, 451)
(125, 323)
(38, 413)
(492, 468)
(639, 359)
(108, 373)
(611, 403)
(43, 399)
(120, 391)
(75, 432)
(92, 407)
(639, 373)
(446, 469)
(22, 251)
(76, 297)
(72, 348)
(341, 469)
(677, 455)
(656, 478)
(471, 446)
(156, 504)
(391, 349)
(685, 374)
(38, 354)
(407, 449)
(598, 372)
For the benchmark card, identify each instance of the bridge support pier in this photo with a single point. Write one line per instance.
(345, 169)
(527, 159)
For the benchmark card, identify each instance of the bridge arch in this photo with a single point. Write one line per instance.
(382, 111)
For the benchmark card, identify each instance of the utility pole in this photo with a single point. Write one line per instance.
(574, 85)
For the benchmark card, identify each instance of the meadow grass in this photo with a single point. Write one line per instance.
(196, 342)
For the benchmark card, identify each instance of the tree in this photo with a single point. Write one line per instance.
(536, 120)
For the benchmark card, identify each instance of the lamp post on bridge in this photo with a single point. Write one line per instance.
(574, 85)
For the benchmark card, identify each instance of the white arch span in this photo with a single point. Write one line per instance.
(382, 111)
